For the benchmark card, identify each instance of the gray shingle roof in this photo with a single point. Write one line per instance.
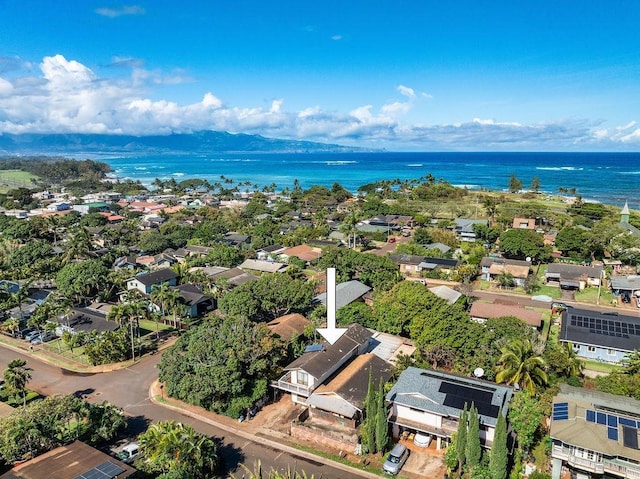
(445, 394)
(346, 293)
(155, 277)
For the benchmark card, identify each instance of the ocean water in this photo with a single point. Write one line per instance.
(604, 177)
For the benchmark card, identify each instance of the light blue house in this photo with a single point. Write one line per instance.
(601, 336)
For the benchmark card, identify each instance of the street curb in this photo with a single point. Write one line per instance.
(258, 439)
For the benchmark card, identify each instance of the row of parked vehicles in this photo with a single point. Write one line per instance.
(35, 336)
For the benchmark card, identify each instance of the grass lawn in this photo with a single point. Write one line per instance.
(16, 401)
(546, 324)
(147, 326)
(590, 295)
(555, 293)
(600, 366)
(10, 179)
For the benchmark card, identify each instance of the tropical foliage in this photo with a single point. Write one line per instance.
(222, 365)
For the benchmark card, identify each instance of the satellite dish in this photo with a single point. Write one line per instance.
(528, 260)
(478, 372)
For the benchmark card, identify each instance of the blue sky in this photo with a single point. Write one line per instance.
(402, 75)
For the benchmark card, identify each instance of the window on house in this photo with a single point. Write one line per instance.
(303, 378)
(591, 349)
(611, 352)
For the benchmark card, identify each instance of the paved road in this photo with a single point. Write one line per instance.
(129, 389)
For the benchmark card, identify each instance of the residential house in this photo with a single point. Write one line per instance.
(289, 326)
(409, 264)
(430, 402)
(72, 461)
(341, 400)
(393, 222)
(304, 252)
(197, 303)
(628, 286)
(492, 267)
(615, 264)
(594, 434)
(233, 276)
(271, 251)
(464, 228)
(145, 282)
(573, 276)
(237, 240)
(346, 293)
(87, 319)
(263, 266)
(191, 251)
(601, 336)
(450, 295)
(524, 223)
(321, 361)
(481, 311)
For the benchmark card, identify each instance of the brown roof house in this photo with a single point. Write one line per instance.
(493, 267)
(289, 325)
(321, 361)
(73, 461)
(480, 312)
(341, 400)
(304, 252)
(524, 223)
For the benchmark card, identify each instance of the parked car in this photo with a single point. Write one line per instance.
(43, 338)
(129, 453)
(421, 439)
(32, 335)
(395, 459)
(22, 334)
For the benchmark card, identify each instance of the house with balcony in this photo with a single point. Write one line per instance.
(607, 336)
(321, 361)
(594, 434)
(430, 402)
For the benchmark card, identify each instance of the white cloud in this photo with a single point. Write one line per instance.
(67, 96)
(336, 38)
(118, 12)
(58, 71)
(5, 87)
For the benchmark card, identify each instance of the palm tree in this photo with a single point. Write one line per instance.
(11, 325)
(520, 363)
(121, 314)
(16, 377)
(170, 446)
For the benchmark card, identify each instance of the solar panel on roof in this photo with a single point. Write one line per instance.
(106, 470)
(560, 411)
(612, 433)
(313, 348)
(630, 437)
(457, 395)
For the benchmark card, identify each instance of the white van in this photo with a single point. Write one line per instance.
(129, 453)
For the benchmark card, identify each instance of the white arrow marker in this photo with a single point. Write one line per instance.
(331, 333)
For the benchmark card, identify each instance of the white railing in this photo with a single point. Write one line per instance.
(614, 467)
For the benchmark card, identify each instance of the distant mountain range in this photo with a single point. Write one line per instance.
(197, 142)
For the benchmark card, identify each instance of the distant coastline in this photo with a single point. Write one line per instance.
(611, 178)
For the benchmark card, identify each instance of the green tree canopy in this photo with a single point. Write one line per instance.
(524, 243)
(223, 366)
